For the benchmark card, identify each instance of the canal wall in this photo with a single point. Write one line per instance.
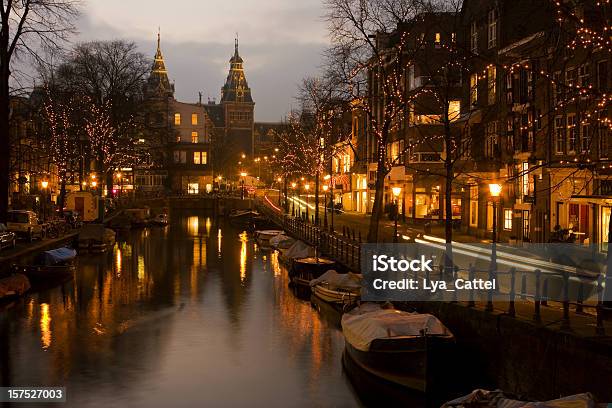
(535, 361)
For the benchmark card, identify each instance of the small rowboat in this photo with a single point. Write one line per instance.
(13, 286)
(341, 288)
(303, 270)
(263, 237)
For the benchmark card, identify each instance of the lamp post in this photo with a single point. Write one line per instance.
(495, 190)
(307, 187)
(396, 193)
(279, 190)
(242, 176)
(293, 199)
(44, 184)
(325, 188)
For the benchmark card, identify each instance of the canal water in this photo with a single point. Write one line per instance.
(193, 314)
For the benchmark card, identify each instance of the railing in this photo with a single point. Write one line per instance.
(345, 248)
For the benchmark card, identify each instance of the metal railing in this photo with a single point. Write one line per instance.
(345, 247)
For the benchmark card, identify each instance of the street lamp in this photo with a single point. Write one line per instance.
(307, 187)
(293, 198)
(279, 179)
(495, 190)
(44, 184)
(325, 188)
(242, 176)
(396, 193)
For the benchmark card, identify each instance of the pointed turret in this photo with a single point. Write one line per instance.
(236, 88)
(158, 83)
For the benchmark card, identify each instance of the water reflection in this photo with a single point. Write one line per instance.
(160, 319)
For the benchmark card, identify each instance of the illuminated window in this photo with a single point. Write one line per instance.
(194, 118)
(437, 40)
(194, 137)
(193, 188)
(491, 81)
(507, 219)
(454, 110)
(177, 118)
(200, 157)
(473, 89)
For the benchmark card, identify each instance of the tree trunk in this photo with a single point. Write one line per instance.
(5, 142)
(608, 280)
(286, 202)
(378, 202)
(316, 211)
(62, 196)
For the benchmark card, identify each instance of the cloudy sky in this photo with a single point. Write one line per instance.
(281, 41)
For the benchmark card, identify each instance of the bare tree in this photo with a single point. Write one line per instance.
(26, 27)
(368, 54)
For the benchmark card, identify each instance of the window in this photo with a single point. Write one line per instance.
(585, 138)
(604, 142)
(602, 76)
(346, 163)
(180, 156)
(177, 119)
(437, 40)
(572, 140)
(491, 82)
(492, 28)
(491, 140)
(510, 134)
(178, 138)
(200, 157)
(474, 38)
(194, 137)
(559, 135)
(473, 206)
(473, 89)
(558, 87)
(509, 84)
(583, 75)
(507, 219)
(454, 37)
(194, 118)
(525, 187)
(454, 110)
(193, 188)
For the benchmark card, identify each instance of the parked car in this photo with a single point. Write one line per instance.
(25, 224)
(7, 238)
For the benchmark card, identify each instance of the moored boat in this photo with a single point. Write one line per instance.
(13, 286)
(263, 237)
(493, 399)
(407, 350)
(341, 288)
(95, 238)
(299, 249)
(281, 241)
(52, 264)
(303, 270)
(160, 220)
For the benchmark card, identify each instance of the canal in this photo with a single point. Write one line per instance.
(193, 314)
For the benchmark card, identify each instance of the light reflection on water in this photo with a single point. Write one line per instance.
(176, 319)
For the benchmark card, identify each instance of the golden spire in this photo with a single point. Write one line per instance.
(158, 65)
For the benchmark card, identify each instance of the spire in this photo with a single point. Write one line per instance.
(158, 80)
(236, 88)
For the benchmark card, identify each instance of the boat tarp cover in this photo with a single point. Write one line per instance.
(299, 249)
(57, 256)
(281, 241)
(496, 399)
(92, 231)
(337, 280)
(360, 329)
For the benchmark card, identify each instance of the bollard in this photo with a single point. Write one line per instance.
(537, 316)
(565, 325)
(580, 300)
(472, 273)
(544, 300)
(524, 286)
(511, 307)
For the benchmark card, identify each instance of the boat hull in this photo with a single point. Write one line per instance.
(415, 363)
(336, 296)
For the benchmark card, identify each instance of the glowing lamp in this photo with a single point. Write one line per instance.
(243, 174)
(396, 191)
(325, 188)
(293, 185)
(307, 187)
(44, 184)
(495, 189)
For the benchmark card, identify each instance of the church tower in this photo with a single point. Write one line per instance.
(238, 106)
(158, 84)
